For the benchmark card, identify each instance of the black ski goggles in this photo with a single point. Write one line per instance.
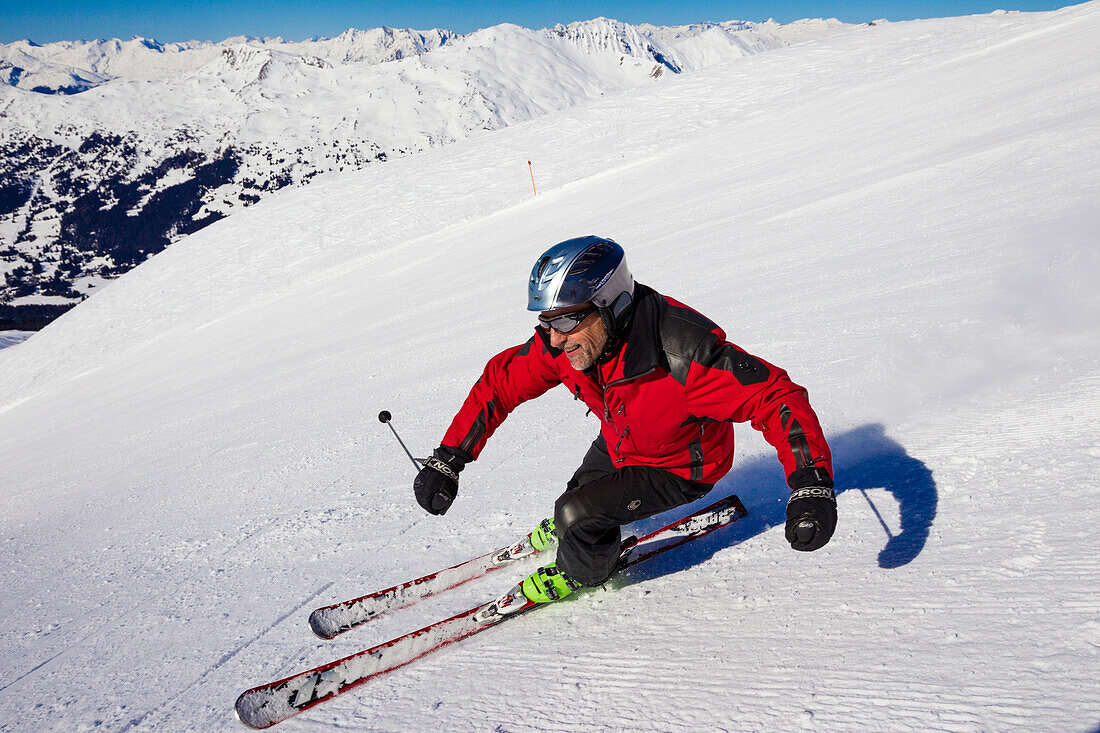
(567, 321)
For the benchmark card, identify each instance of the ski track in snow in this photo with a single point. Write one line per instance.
(902, 216)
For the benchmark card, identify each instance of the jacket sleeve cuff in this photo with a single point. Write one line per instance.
(810, 476)
(455, 457)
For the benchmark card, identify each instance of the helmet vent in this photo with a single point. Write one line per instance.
(545, 270)
(590, 256)
(541, 268)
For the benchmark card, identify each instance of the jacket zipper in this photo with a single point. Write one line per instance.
(695, 450)
(607, 409)
(626, 431)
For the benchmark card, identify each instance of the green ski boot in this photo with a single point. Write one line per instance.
(543, 537)
(548, 584)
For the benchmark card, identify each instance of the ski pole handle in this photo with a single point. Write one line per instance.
(385, 417)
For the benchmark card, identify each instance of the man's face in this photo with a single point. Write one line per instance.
(584, 344)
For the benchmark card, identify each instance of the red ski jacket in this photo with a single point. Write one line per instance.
(667, 398)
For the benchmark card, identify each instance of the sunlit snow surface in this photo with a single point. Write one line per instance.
(904, 216)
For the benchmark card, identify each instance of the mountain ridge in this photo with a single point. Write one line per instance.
(94, 182)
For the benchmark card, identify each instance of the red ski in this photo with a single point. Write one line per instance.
(330, 621)
(266, 705)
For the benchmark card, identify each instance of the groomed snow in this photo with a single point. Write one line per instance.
(903, 216)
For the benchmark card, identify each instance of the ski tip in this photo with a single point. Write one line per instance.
(732, 502)
(245, 711)
(742, 512)
(318, 626)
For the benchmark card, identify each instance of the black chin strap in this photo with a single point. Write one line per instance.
(616, 335)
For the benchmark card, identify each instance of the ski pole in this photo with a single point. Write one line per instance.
(384, 417)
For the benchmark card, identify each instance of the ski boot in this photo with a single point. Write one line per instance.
(543, 537)
(548, 584)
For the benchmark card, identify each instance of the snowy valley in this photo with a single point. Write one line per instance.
(903, 216)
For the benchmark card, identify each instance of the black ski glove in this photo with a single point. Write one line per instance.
(811, 512)
(436, 486)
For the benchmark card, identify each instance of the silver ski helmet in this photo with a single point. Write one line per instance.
(583, 270)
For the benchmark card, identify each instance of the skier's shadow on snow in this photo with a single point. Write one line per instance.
(865, 460)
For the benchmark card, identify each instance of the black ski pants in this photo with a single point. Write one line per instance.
(599, 499)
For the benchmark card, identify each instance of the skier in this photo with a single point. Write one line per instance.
(666, 386)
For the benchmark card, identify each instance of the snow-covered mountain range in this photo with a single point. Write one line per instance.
(68, 67)
(111, 150)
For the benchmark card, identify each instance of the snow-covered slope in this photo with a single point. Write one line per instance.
(903, 216)
(165, 139)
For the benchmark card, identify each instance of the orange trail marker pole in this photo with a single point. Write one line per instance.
(532, 178)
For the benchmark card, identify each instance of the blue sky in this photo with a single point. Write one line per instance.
(176, 20)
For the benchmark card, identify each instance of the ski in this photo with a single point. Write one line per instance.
(330, 621)
(264, 706)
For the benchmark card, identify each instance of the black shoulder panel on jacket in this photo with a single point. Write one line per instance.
(685, 335)
(745, 367)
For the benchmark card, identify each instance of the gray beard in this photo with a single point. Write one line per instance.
(586, 359)
(587, 356)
